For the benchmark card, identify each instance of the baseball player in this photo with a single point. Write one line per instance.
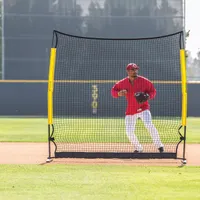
(137, 90)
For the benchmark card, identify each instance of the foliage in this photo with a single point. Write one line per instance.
(125, 19)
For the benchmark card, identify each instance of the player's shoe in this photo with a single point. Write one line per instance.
(136, 151)
(161, 149)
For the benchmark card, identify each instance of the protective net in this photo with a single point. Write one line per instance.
(88, 119)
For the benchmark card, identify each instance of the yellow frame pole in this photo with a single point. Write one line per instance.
(51, 85)
(184, 87)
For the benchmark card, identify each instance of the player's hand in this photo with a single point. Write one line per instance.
(122, 93)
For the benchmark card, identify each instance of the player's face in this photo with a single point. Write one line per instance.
(132, 73)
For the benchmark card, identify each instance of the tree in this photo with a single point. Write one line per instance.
(166, 23)
(187, 35)
(94, 20)
(196, 67)
(144, 22)
(115, 21)
(63, 17)
(17, 23)
(70, 20)
(193, 64)
(42, 22)
(190, 70)
(127, 19)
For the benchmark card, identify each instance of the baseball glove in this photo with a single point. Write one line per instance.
(141, 97)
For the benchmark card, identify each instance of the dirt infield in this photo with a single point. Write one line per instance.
(36, 153)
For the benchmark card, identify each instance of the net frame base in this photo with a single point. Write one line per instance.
(113, 155)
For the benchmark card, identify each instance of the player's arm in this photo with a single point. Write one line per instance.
(116, 91)
(151, 91)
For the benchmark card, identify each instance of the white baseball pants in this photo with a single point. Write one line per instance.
(130, 122)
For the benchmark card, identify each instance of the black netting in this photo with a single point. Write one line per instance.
(87, 118)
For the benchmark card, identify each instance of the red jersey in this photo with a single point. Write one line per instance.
(140, 84)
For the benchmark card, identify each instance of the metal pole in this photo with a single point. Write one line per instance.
(184, 42)
(184, 147)
(3, 42)
(49, 142)
(184, 21)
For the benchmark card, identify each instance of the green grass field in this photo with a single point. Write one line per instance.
(76, 182)
(35, 130)
(91, 182)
